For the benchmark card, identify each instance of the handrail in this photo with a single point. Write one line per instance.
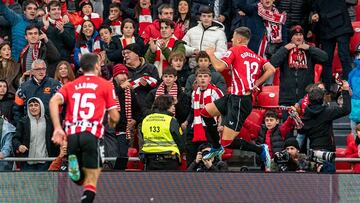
(52, 158)
(135, 159)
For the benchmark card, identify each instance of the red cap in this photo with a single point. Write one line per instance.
(119, 69)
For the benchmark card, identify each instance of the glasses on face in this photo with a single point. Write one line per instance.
(39, 69)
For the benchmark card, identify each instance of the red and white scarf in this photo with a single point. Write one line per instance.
(297, 58)
(124, 43)
(93, 17)
(304, 103)
(53, 21)
(160, 61)
(145, 19)
(35, 53)
(273, 22)
(173, 90)
(201, 98)
(116, 27)
(84, 49)
(128, 112)
(150, 81)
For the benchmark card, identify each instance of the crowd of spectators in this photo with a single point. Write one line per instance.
(149, 48)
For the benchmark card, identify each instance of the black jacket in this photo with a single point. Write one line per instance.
(22, 137)
(182, 107)
(65, 41)
(297, 11)
(135, 109)
(334, 18)
(277, 142)
(318, 121)
(145, 69)
(114, 48)
(294, 81)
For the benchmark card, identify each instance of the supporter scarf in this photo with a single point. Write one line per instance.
(93, 17)
(304, 103)
(145, 19)
(84, 49)
(124, 43)
(160, 61)
(35, 53)
(150, 80)
(116, 27)
(52, 21)
(128, 112)
(201, 98)
(173, 90)
(273, 22)
(297, 58)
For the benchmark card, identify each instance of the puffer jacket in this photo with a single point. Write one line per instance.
(202, 38)
(354, 81)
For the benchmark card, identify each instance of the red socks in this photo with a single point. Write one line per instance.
(225, 143)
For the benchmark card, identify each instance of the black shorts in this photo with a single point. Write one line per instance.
(87, 148)
(234, 109)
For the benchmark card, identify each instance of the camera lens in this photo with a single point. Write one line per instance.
(204, 153)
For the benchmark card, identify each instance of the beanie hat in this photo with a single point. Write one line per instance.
(295, 29)
(291, 142)
(85, 2)
(134, 48)
(119, 69)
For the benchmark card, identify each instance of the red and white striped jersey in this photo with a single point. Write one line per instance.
(246, 68)
(87, 98)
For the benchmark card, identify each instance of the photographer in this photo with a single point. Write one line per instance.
(290, 159)
(318, 123)
(201, 165)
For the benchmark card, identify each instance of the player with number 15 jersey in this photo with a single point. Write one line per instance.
(86, 99)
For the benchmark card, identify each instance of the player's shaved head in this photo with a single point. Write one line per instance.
(88, 62)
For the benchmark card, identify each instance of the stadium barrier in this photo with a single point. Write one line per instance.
(184, 187)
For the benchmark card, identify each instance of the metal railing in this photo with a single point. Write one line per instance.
(135, 159)
(53, 158)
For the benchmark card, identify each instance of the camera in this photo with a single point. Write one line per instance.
(282, 159)
(204, 153)
(321, 156)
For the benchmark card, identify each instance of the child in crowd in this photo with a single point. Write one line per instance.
(203, 61)
(177, 60)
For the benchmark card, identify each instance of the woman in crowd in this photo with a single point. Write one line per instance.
(9, 69)
(88, 41)
(64, 72)
(183, 17)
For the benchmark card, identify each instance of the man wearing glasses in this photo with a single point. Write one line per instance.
(39, 85)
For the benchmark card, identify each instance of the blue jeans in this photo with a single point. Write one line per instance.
(328, 45)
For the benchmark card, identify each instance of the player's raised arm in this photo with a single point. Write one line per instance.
(218, 64)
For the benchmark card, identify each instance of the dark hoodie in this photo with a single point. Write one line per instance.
(6, 105)
(318, 121)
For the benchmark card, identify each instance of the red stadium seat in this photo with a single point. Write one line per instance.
(276, 80)
(134, 165)
(355, 39)
(269, 97)
(228, 154)
(342, 167)
(318, 69)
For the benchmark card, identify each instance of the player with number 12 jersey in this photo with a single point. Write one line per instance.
(87, 99)
(246, 68)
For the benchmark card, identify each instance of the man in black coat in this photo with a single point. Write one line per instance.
(333, 25)
(318, 119)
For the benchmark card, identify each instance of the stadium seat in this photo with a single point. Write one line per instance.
(342, 167)
(276, 80)
(134, 165)
(269, 97)
(355, 39)
(318, 69)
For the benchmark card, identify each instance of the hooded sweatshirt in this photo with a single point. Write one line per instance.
(37, 148)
